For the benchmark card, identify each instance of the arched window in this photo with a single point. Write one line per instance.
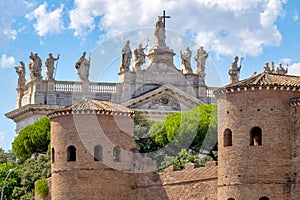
(256, 136)
(71, 153)
(98, 153)
(227, 138)
(117, 154)
(264, 198)
(230, 199)
(53, 155)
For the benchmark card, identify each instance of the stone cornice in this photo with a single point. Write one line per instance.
(31, 109)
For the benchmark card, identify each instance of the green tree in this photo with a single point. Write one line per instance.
(12, 181)
(6, 156)
(31, 171)
(182, 133)
(34, 138)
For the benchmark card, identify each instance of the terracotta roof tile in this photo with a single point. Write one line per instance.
(268, 79)
(95, 105)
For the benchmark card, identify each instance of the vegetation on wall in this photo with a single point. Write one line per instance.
(41, 187)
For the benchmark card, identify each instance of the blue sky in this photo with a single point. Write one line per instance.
(258, 30)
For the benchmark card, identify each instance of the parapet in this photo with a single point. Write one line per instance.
(191, 173)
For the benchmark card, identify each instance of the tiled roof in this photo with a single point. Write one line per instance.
(87, 105)
(268, 79)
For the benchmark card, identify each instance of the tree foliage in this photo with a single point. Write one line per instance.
(6, 156)
(31, 171)
(182, 137)
(13, 179)
(33, 138)
(41, 187)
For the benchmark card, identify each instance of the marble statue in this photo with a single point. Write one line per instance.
(234, 70)
(126, 57)
(139, 56)
(186, 61)
(49, 63)
(159, 33)
(266, 68)
(21, 73)
(83, 67)
(272, 68)
(281, 70)
(200, 58)
(35, 67)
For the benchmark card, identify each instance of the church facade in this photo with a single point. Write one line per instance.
(156, 90)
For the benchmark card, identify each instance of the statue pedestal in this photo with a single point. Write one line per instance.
(161, 55)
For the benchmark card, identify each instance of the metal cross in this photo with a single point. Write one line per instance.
(164, 18)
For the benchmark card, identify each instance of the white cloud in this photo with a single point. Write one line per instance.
(10, 10)
(296, 16)
(227, 27)
(47, 22)
(7, 62)
(294, 69)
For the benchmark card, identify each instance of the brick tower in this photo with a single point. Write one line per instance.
(91, 146)
(258, 139)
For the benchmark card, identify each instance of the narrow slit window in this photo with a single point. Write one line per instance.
(98, 153)
(53, 155)
(117, 154)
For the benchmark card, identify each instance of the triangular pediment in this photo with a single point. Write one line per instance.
(164, 98)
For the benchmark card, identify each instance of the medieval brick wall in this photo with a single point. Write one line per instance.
(191, 183)
(252, 171)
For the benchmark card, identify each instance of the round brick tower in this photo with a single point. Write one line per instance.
(255, 138)
(91, 146)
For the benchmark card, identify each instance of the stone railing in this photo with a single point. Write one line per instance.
(68, 86)
(103, 88)
(210, 92)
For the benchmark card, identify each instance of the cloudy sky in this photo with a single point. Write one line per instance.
(258, 30)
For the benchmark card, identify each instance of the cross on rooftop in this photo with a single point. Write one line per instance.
(164, 18)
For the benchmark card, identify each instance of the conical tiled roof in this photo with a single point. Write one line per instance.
(87, 105)
(263, 80)
(268, 79)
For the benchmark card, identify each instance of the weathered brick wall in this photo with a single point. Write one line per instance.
(250, 172)
(86, 178)
(295, 179)
(190, 183)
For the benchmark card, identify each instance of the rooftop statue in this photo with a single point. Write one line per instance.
(159, 33)
(139, 56)
(281, 70)
(200, 58)
(126, 57)
(35, 67)
(21, 73)
(83, 67)
(49, 63)
(234, 70)
(186, 61)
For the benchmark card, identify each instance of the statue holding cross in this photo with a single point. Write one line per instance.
(159, 31)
